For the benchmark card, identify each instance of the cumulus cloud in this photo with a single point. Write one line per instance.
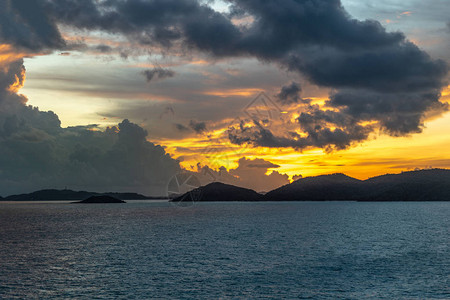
(36, 152)
(158, 73)
(252, 174)
(327, 129)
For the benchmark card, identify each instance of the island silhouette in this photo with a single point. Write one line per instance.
(99, 199)
(66, 194)
(420, 185)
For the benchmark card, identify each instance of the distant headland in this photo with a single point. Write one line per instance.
(66, 195)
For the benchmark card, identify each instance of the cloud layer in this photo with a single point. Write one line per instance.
(377, 76)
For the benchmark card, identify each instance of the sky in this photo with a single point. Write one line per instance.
(122, 95)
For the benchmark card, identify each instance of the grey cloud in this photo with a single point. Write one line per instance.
(297, 177)
(329, 47)
(34, 157)
(289, 93)
(252, 174)
(181, 127)
(317, 22)
(36, 152)
(398, 68)
(198, 127)
(12, 73)
(398, 114)
(104, 48)
(158, 73)
(322, 128)
(24, 23)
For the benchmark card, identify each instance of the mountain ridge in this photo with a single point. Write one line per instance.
(421, 185)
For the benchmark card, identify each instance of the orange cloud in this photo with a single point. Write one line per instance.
(233, 92)
(8, 55)
(18, 82)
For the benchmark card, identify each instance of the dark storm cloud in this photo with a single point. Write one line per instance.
(316, 22)
(13, 73)
(398, 68)
(158, 73)
(35, 152)
(327, 45)
(289, 93)
(24, 23)
(377, 76)
(398, 114)
(150, 22)
(316, 38)
(316, 124)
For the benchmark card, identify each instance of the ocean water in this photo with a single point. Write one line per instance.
(305, 250)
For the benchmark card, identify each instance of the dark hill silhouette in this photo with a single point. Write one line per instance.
(100, 199)
(422, 185)
(50, 194)
(319, 188)
(218, 191)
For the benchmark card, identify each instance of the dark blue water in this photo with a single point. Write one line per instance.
(139, 250)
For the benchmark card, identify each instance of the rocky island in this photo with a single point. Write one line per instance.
(218, 191)
(100, 199)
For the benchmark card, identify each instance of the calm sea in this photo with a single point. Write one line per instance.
(141, 250)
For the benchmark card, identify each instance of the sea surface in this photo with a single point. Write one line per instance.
(148, 249)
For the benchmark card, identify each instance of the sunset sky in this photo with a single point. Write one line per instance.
(249, 92)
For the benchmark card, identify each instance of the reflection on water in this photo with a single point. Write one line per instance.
(225, 250)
